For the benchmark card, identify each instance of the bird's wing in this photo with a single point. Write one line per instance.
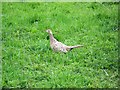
(58, 46)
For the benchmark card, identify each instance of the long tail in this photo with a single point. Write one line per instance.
(76, 46)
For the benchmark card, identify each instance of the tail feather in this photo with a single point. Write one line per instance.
(76, 46)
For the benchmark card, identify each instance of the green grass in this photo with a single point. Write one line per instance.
(28, 61)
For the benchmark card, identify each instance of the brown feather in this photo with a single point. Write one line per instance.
(58, 46)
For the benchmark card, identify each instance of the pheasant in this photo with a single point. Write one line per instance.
(58, 46)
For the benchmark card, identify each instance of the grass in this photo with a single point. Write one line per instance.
(28, 61)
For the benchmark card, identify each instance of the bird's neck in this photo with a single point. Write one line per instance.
(52, 39)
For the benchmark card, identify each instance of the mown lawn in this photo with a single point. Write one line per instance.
(28, 61)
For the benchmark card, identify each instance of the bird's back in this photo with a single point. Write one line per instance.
(58, 46)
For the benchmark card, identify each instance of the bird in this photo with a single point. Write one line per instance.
(59, 46)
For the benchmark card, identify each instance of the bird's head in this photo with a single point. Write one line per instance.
(49, 31)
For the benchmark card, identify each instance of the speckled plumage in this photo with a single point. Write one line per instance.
(58, 46)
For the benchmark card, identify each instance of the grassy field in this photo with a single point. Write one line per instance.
(28, 61)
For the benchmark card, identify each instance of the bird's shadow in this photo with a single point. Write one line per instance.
(47, 37)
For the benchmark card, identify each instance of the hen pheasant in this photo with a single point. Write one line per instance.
(58, 46)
